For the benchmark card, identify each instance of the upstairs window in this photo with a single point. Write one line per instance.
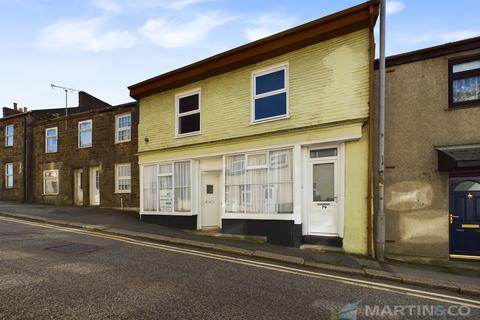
(85, 134)
(188, 113)
(464, 84)
(9, 130)
(9, 175)
(51, 140)
(123, 128)
(270, 94)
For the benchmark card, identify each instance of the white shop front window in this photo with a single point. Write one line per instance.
(260, 182)
(167, 187)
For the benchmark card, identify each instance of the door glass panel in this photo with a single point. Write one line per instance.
(332, 152)
(97, 180)
(323, 182)
(209, 188)
(468, 186)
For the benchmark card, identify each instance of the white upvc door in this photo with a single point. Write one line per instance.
(95, 186)
(210, 199)
(324, 198)
(78, 187)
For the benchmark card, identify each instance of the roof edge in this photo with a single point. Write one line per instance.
(432, 52)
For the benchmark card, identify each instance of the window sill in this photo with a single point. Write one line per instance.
(157, 213)
(8, 146)
(269, 119)
(86, 147)
(51, 152)
(475, 104)
(123, 192)
(259, 216)
(188, 134)
(120, 142)
(50, 194)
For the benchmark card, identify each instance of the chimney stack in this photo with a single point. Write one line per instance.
(24, 109)
(15, 106)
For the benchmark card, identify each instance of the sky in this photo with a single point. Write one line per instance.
(103, 46)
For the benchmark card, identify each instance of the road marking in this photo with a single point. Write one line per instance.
(264, 265)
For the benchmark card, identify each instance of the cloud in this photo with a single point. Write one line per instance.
(171, 34)
(171, 4)
(84, 35)
(459, 35)
(267, 25)
(394, 7)
(429, 37)
(107, 5)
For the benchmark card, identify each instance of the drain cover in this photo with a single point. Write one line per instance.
(74, 248)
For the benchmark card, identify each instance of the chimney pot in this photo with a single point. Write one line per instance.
(15, 106)
(24, 109)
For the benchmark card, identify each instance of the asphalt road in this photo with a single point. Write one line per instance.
(58, 274)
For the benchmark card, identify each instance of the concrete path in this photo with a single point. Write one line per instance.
(461, 278)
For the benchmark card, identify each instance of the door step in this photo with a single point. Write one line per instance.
(320, 248)
(216, 233)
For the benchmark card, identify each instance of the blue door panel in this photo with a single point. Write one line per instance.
(465, 219)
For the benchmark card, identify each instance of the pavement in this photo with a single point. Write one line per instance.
(458, 277)
(48, 273)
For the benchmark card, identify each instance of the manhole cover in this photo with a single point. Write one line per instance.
(74, 248)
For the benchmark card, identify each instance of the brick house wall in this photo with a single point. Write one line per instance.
(104, 153)
(14, 154)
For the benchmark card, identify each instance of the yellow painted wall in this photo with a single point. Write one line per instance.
(355, 238)
(356, 165)
(328, 82)
(324, 133)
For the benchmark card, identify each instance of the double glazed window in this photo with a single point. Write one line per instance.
(123, 178)
(51, 140)
(123, 126)
(167, 187)
(259, 182)
(85, 134)
(270, 94)
(9, 175)
(464, 81)
(50, 182)
(188, 113)
(9, 131)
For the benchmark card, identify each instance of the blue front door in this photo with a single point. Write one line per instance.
(464, 216)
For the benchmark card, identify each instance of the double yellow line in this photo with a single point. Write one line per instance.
(450, 299)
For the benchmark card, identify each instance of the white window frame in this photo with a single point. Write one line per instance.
(262, 72)
(117, 166)
(239, 166)
(46, 139)
(118, 129)
(178, 115)
(273, 186)
(44, 183)
(79, 131)
(8, 135)
(172, 174)
(7, 175)
(278, 161)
